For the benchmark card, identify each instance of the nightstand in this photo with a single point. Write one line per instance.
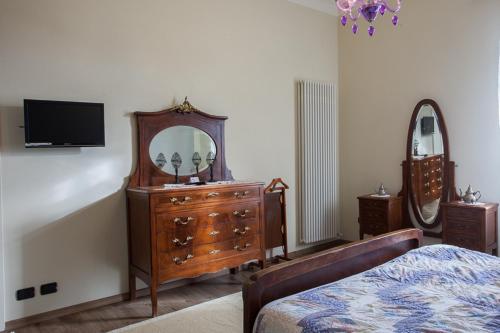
(379, 215)
(473, 227)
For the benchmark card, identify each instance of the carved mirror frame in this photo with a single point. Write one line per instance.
(449, 191)
(149, 124)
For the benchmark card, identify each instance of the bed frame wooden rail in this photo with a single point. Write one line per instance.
(322, 268)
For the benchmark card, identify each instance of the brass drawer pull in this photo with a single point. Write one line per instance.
(182, 201)
(241, 232)
(183, 220)
(214, 252)
(213, 214)
(214, 233)
(213, 194)
(244, 248)
(241, 195)
(179, 261)
(242, 213)
(178, 242)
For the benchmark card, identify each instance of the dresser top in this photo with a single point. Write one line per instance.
(177, 187)
(461, 204)
(377, 197)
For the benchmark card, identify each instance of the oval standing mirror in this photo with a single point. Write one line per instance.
(183, 147)
(428, 156)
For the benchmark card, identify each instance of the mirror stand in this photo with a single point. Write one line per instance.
(428, 173)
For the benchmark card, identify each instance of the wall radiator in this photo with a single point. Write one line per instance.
(317, 167)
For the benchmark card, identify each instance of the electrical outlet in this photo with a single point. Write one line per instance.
(25, 293)
(48, 288)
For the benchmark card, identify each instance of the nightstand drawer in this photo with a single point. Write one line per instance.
(372, 204)
(463, 240)
(471, 227)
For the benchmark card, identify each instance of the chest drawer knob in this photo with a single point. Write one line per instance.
(241, 195)
(181, 201)
(213, 195)
(243, 213)
(238, 231)
(213, 214)
(214, 233)
(179, 261)
(183, 220)
(178, 242)
(243, 248)
(214, 252)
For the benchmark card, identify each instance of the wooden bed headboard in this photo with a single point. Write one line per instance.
(322, 268)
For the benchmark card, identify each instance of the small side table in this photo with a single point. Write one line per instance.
(379, 215)
(474, 227)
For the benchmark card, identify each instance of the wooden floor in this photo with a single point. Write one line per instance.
(122, 314)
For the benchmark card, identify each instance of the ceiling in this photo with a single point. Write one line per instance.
(326, 6)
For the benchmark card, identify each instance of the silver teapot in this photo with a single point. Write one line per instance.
(470, 197)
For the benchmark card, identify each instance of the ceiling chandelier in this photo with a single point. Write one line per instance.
(369, 10)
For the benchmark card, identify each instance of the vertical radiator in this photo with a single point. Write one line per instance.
(317, 167)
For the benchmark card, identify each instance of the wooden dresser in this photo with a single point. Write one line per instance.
(379, 215)
(474, 227)
(427, 179)
(177, 230)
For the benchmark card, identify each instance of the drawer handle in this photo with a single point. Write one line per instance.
(242, 213)
(214, 252)
(241, 232)
(183, 220)
(179, 261)
(213, 194)
(213, 214)
(177, 201)
(427, 185)
(178, 242)
(242, 248)
(214, 233)
(241, 195)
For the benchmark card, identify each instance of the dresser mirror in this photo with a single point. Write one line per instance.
(191, 145)
(428, 174)
(181, 137)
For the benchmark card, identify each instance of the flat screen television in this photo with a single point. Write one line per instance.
(427, 125)
(63, 124)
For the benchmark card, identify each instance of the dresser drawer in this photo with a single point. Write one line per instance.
(188, 258)
(463, 240)
(188, 237)
(202, 217)
(463, 215)
(376, 228)
(372, 204)
(471, 227)
(373, 215)
(184, 199)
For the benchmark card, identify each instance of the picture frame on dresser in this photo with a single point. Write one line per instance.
(183, 231)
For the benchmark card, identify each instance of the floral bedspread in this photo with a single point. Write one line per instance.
(436, 288)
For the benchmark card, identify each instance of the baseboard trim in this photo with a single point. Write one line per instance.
(34, 319)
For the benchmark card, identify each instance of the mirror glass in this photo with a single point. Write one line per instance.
(427, 165)
(184, 147)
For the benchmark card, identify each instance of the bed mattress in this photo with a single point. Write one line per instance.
(436, 288)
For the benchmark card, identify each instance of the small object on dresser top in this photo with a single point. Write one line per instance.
(470, 197)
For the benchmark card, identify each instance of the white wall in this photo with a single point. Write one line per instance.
(64, 208)
(2, 254)
(447, 50)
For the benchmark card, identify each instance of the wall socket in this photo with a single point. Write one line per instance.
(25, 293)
(48, 288)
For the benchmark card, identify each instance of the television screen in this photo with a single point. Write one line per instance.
(427, 125)
(63, 124)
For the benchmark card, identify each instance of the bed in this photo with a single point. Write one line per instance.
(386, 284)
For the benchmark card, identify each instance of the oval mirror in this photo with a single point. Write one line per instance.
(183, 147)
(428, 155)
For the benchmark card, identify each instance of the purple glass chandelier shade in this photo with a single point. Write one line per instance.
(369, 10)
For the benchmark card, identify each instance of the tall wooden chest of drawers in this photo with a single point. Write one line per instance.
(188, 231)
(474, 227)
(427, 179)
(379, 215)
